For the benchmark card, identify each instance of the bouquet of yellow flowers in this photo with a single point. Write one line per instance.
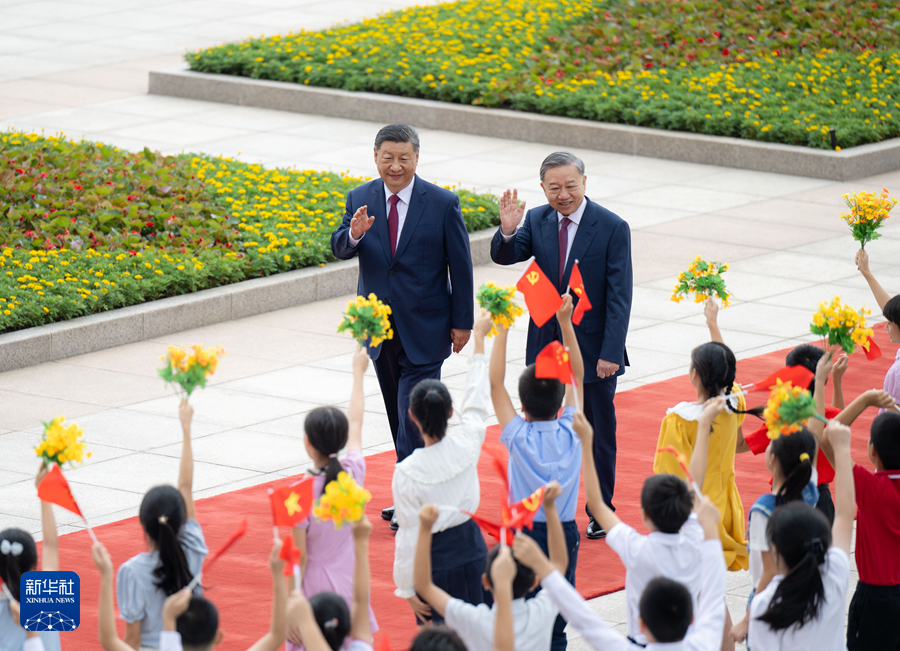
(498, 301)
(368, 320)
(787, 409)
(842, 324)
(61, 443)
(343, 500)
(189, 367)
(867, 213)
(703, 280)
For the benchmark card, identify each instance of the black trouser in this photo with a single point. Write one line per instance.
(873, 622)
(600, 411)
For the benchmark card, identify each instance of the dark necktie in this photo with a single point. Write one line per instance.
(563, 246)
(393, 222)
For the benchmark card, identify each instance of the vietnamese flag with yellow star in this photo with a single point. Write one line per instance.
(292, 504)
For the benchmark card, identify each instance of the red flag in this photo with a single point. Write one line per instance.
(55, 489)
(237, 533)
(521, 514)
(799, 376)
(874, 351)
(499, 464)
(576, 283)
(491, 528)
(292, 504)
(553, 362)
(541, 297)
(289, 554)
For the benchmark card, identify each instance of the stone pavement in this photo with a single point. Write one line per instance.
(80, 68)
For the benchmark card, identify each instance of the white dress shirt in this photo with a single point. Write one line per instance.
(575, 218)
(709, 618)
(533, 621)
(402, 208)
(445, 473)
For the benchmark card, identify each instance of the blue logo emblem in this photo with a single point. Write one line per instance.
(50, 601)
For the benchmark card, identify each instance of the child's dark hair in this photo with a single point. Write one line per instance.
(437, 638)
(524, 581)
(20, 556)
(795, 454)
(667, 501)
(162, 515)
(327, 428)
(801, 536)
(891, 310)
(666, 609)
(332, 616)
(541, 397)
(431, 404)
(198, 624)
(715, 365)
(807, 356)
(885, 436)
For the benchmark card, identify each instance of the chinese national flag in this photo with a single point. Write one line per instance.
(874, 351)
(521, 514)
(289, 554)
(491, 528)
(55, 489)
(799, 376)
(541, 297)
(554, 362)
(292, 504)
(576, 284)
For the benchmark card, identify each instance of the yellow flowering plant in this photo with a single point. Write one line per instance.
(788, 408)
(343, 500)
(498, 301)
(62, 443)
(704, 281)
(367, 320)
(842, 324)
(867, 213)
(189, 367)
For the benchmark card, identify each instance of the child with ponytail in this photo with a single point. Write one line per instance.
(328, 558)
(18, 555)
(802, 608)
(176, 550)
(890, 308)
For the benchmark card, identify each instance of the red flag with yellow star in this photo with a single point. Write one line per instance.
(292, 504)
(55, 489)
(521, 514)
(541, 297)
(554, 362)
(576, 284)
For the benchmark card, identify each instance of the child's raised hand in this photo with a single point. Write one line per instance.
(526, 551)
(361, 360)
(708, 516)
(862, 261)
(503, 569)
(583, 428)
(297, 605)
(564, 313)
(185, 413)
(840, 367)
(102, 560)
(880, 399)
(42, 472)
(483, 324)
(276, 564)
(551, 492)
(713, 407)
(428, 515)
(176, 605)
(362, 528)
(838, 435)
(711, 310)
(825, 365)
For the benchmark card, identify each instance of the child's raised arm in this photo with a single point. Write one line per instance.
(275, 637)
(837, 375)
(186, 469)
(503, 572)
(604, 515)
(425, 587)
(556, 536)
(50, 546)
(357, 401)
(360, 627)
(106, 613)
(699, 457)
(711, 310)
(503, 406)
(838, 436)
(570, 341)
(862, 263)
(709, 621)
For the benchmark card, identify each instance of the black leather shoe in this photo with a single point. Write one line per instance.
(395, 525)
(388, 513)
(595, 531)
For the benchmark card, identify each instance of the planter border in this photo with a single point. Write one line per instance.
(153, 319)
(845, 165)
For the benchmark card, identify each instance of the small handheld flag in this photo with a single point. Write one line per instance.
(55, 489)
(873, 352)
(799, 376)
(494, 529)
(682, 461)
(212, 558)
(554, 362)
(576, 284)
(292, 504)
(541, 297)
(521, 514)
(291, 557)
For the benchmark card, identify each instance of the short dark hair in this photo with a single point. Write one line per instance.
(397, 133)
(438, 638)
(667, 501)
(885, 436)
(561, 159)
(541, 397)
(198, 624)
(891, 310)
(807, 356)
(524, 580)
(666, 609)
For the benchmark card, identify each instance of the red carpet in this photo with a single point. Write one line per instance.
(240, 586)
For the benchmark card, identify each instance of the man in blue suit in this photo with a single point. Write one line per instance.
(417, 260)
(572, 227)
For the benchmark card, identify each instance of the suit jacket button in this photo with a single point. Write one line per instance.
(392, 272)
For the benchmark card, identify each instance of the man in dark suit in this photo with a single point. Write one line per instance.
(572, 227)
(417, 260)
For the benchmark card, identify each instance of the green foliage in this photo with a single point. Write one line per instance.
(796, 409)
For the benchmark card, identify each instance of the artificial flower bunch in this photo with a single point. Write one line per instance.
(189, 367)
(704, 281)
(368, 321)
(867, 213)
(343, 500)
(842, 324)
(498, 301)
(787, 409)
(62, 443)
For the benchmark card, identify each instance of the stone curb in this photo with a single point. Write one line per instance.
(853, 163)
(128, 325)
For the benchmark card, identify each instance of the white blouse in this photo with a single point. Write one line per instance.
(445, 473)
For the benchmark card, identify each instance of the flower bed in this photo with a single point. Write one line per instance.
(771, 71)
(85, 227)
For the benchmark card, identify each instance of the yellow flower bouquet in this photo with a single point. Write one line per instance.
(367, 320)
(189, 367)
(343, 500)
(704, 281)
(498, 301)
(61, 443)
(788, 408)
(842, 324)
(867, 213)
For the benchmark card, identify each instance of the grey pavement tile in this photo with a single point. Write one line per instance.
(23, 410)
(758, 183)
(791, 264)
(11, 476)
(649, 361)
(744, 286)
(769, 322)
(181, 132)
(639, 217)
(687, 334)
(31, 525)
(19, 456)
(810, 297)
(682, 197)
(245, 449)
(720, 228)
(318, 385)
